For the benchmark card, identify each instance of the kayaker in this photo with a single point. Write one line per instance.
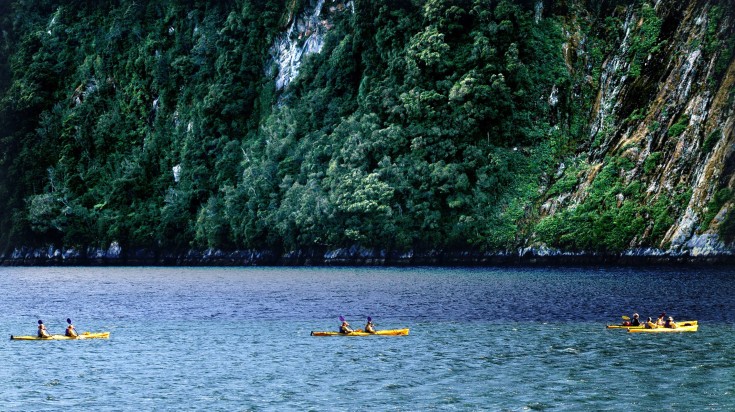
(345, 327)
(42, 332)
(660, 321)
(670, 323)
(71, 331)
(650, 324)
(635, 321)
(369, 327)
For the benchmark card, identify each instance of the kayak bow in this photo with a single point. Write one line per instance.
(386, 332)
(85, 335)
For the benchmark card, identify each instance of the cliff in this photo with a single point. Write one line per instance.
(661, 134)
(381, 132)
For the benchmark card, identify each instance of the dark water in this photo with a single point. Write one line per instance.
(481, 339)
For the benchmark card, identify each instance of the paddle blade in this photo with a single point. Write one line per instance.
(370, 319)
(341, 318)
(625, 317)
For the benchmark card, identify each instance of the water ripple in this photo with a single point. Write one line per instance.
(481, 339)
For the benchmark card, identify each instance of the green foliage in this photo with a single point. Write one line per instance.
(644, 40)
(711, 140)
(714, 206)
(714, 16)
(654, 126)
(612, 215)
(420, 125)
(636, 116)
(723, 47)
(679, 127)
(662, 218)
(568, 180)
(652, 161)
(727, 227)
(665, 208)
(725, 55)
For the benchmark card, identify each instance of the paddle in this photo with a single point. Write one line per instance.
(626, 319)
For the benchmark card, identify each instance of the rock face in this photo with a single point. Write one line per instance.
(304, 36)
(665, 103)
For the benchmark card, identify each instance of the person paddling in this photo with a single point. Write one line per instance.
(635, 321)
(42, 332)
(344, 327)
(670, 323)
(71, 331)
(650, 324)
(369, 327)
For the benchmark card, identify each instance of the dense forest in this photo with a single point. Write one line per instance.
(412, 125)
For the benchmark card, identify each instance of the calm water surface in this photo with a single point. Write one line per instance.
(481, 339)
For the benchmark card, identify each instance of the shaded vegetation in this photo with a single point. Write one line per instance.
(420, 125)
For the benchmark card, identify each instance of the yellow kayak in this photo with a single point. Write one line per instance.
(386, 332)
(682, 323)
(690, 328)
(85, 335)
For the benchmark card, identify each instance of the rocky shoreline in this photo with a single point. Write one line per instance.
(354, 256)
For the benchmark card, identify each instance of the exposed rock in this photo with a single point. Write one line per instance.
(305, 35)
(707, 244)
(554, 96)
(703, 249)
(538, 11)
(177, 173)
(678, 105)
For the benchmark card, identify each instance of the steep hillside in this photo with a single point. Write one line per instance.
(376, 129)
(656, 173)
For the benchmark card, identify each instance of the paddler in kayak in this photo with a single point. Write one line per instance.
(369, 327)
(670, 323)
(661, 321)
(344, 327)
(631, 322)
(71, 331)
(650, 324)
(42, 332)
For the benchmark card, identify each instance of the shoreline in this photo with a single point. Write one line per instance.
(356, 257)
